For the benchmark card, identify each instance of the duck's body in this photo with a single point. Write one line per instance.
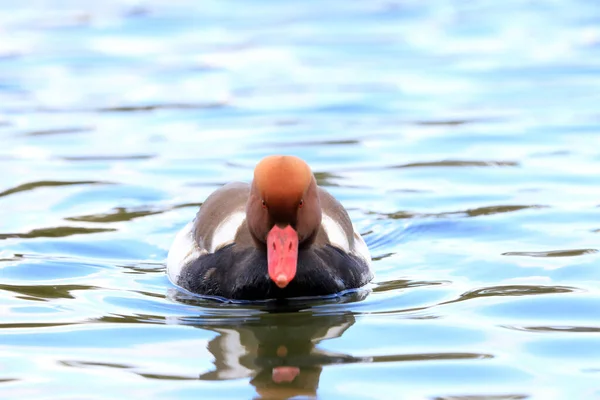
(281, 236)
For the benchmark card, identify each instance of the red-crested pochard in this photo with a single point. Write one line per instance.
(281, 236)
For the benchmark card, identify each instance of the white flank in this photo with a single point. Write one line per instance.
(361, 249)
(183, 249)
(335, 233)
(225, 232)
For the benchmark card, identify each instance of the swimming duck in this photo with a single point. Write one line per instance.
(281, 236)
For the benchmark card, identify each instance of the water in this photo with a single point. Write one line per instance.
(463, 137)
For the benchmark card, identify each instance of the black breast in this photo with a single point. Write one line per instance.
(241, 274)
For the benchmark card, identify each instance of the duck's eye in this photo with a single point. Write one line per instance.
(264, 205)
(301, 204)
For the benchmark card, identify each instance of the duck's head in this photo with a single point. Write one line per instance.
(283, 212)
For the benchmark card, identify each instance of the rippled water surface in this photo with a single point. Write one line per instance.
(463, 138)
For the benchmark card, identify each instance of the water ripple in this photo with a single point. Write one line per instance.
(455, 133)
(458, 163)
(475, 212)
(59, 131)
(38, 184)
(553, 253)
(512, 290)
(54, 232)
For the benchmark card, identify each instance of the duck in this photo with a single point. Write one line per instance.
(279, 237)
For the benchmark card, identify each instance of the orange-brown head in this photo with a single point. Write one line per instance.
(283, 212)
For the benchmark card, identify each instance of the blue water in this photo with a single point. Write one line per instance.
(463, 138)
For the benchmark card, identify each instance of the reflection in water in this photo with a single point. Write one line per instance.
(278, 351)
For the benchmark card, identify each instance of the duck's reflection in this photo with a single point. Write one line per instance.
(278, 351)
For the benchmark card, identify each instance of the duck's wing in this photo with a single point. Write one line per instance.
(220, 221)
(337, 229)
(221, 216)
